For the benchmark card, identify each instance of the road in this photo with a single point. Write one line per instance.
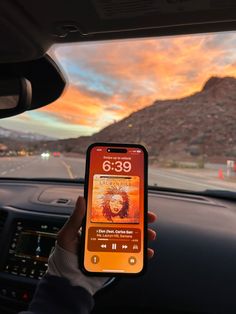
(70, 168)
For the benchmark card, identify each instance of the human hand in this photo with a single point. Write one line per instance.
(69, 237)
(64, 260)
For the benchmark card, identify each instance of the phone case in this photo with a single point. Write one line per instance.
(82, 245)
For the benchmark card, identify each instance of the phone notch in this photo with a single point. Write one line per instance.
(117, 150)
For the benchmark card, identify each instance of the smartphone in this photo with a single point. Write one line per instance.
(114, 232)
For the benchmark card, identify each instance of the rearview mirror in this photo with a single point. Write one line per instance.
(15, 96)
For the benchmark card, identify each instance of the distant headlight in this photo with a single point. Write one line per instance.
(45, 155)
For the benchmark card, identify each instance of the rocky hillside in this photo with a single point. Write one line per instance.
(201, 124)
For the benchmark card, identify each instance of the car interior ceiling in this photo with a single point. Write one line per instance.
(28, 29)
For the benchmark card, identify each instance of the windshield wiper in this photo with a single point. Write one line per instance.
(220, 194)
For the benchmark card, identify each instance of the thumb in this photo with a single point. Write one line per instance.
(68, 235)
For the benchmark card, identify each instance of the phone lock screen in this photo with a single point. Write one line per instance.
(115, 226)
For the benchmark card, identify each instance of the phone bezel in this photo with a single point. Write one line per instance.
(86, 184)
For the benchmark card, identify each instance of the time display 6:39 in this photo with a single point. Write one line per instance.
(117, 166)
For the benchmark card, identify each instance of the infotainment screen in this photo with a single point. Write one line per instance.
(34, 244)
(31, 244)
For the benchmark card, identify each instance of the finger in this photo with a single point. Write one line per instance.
(150, 253)
(151, 217)
(151, 235)
(70, 230)
(75, 220)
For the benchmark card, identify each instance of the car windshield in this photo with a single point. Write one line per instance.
(174, 95)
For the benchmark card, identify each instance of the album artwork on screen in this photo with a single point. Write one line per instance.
(115, 199)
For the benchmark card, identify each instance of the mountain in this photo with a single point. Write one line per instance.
(202, 124)
(22, 136)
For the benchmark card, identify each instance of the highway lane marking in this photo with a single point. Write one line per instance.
(68, 168)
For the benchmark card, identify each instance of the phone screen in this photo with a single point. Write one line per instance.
(115, 219)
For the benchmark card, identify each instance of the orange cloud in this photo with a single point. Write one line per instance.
(75, 107)
(136, 73)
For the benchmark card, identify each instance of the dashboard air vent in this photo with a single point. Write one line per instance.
(3, 217)
(62, 201)
(59, 196)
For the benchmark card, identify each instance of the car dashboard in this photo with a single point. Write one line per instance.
(193, 270)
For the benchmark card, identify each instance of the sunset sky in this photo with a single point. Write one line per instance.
(109, 80)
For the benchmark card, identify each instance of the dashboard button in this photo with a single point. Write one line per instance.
(3, 292)
(41, 272)
(7, 268)
(13, 294)
(15, 270)
(25, 296)
(23, 271)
